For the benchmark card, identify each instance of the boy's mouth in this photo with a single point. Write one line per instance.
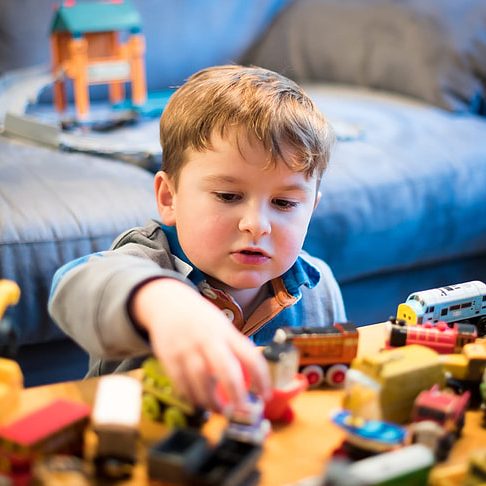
(251, 256)
(253, 252)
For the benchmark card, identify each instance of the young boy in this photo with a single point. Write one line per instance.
(244, 150)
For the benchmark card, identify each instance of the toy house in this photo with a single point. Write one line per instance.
(97, 43)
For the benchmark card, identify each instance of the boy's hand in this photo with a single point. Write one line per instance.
(198, 345)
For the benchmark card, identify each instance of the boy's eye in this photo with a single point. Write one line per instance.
(227, 196)
(284, 203)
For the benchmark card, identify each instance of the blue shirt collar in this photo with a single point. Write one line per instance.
(302, 272)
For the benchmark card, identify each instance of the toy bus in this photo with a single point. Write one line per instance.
(438, 336)
(115, 419)
(325, 352)
(54, 429)
(453, 303)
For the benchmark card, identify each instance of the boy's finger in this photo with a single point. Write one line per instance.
(201, 382)
(177, 376)
(255, 365)
(228, 374)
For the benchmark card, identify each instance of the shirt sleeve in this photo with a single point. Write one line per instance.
(89, 297)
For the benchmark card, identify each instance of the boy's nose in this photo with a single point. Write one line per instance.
(255, 222)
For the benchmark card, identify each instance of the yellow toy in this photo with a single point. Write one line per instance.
(469, 365)
(11, 378)
(383, 386)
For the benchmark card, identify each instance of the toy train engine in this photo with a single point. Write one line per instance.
(438, 336)
(438, 419)
(325, 352)
(454, 303)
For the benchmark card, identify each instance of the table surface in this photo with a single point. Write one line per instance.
(291, 452)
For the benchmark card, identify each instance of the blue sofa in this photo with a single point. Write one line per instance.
(403, 199)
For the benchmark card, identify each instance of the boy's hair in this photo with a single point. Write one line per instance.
(267, 105)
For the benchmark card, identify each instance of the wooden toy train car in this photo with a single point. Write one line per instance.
(438, 336)
(325, 352)
(453, 303)
(56, 428)
(115, 419)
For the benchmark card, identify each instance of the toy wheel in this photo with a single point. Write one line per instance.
(481, 326)
(460, 425)
(336, 374)
(314, 375)
(444, 447)
(150, 407)
(174, 418)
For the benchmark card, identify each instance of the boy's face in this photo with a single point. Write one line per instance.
(239, 223)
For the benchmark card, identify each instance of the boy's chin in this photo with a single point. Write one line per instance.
(241, 282)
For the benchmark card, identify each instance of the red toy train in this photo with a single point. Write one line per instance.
(438, 336)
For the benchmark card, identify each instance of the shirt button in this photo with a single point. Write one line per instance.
(229, 314)
(210, 294)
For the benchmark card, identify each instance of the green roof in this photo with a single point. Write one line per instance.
(104, 16)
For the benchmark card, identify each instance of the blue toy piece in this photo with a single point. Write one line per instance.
(372, 435)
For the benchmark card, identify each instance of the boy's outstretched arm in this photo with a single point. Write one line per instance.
(197, 344)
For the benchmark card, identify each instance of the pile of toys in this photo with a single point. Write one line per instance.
(50, 444)
(405, 406)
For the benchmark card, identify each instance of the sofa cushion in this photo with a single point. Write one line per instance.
(433, 50)
(55, 207)
(408, 190)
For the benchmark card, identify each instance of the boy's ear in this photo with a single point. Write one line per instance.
(165, 195)
(318, 198)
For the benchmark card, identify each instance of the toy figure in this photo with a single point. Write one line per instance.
(247, 424)
(283, 361)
